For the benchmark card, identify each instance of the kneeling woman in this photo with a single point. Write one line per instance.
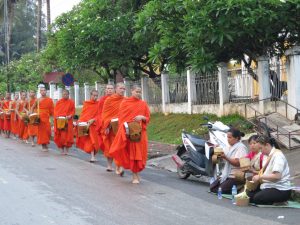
(232, 154)
(274, 182)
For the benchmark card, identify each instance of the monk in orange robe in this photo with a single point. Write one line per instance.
(109, 90)
(32, 129)
(13, 116)
(44, 106)
(7, 112)
(20, 110)
(1, 113)
(64, 138)
(132, 155)
(110, 112)
(89, 143)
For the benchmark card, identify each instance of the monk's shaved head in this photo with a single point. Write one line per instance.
(94, 91)
(16, 97)
(65, 94)
(32, 93)
(136, 91)
(23, 95)
(120, 89)
(43, 91)
(135, 86)
(120, 84)
(66, 91)
(94, 95)
(110, 89)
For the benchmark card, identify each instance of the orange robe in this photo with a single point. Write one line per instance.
(1, 118)
(99, 120)
(131, 155)
(13, 119)
(32, 129)
(23, 134)
(64, 138)
(6, 121)
(45, 110)
(110, 111)
(90, 142)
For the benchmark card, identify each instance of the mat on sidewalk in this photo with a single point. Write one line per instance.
(291, 204)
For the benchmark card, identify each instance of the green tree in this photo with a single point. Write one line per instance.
(22, 37)
(203, 33)
(218, 31)
(98, 35)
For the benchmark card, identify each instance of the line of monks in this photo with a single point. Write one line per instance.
(115, 124)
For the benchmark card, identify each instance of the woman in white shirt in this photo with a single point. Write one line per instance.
(275, 186)
(231, 156)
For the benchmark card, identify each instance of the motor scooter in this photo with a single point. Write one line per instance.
(194, 155)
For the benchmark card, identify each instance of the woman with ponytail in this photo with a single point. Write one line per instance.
(274, 181)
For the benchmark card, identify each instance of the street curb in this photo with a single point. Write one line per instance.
(164, 162)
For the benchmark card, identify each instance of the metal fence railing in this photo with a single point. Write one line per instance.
(207, 89)
(178, 92)
(242, 85)
(278, 80)
(155, 91)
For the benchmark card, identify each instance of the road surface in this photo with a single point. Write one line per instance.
(41, 188)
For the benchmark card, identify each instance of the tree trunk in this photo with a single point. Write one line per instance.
(48, 16)
(39, 25)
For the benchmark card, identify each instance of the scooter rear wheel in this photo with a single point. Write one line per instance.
(182, 174)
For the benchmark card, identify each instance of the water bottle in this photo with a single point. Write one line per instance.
(233, 193)
(219, 193)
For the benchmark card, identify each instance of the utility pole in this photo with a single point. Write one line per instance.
(39, 24)
(6, 32)
(7, 47)
(48, 15)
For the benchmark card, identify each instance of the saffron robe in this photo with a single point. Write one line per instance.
(64, 138)
(14, 123)
(89, 142)
(131, 155)
(45, 110)
(110, 111)
(32, 129)
(1, 118)
(99, 120)
(23, 134)
(6, 121)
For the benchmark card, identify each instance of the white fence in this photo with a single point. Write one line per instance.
(193, 93)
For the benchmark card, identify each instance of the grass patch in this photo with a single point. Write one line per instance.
(167, 128)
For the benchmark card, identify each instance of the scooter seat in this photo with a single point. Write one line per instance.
(196, 140)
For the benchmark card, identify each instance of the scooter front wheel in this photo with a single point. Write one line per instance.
(182, 174)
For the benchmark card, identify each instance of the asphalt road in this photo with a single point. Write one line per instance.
(38, 188)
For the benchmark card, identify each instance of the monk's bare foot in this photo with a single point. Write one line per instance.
(109, 169)
(32, 144)
(119, 171)
(92, 160)
(45, 148)
(135, 179)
